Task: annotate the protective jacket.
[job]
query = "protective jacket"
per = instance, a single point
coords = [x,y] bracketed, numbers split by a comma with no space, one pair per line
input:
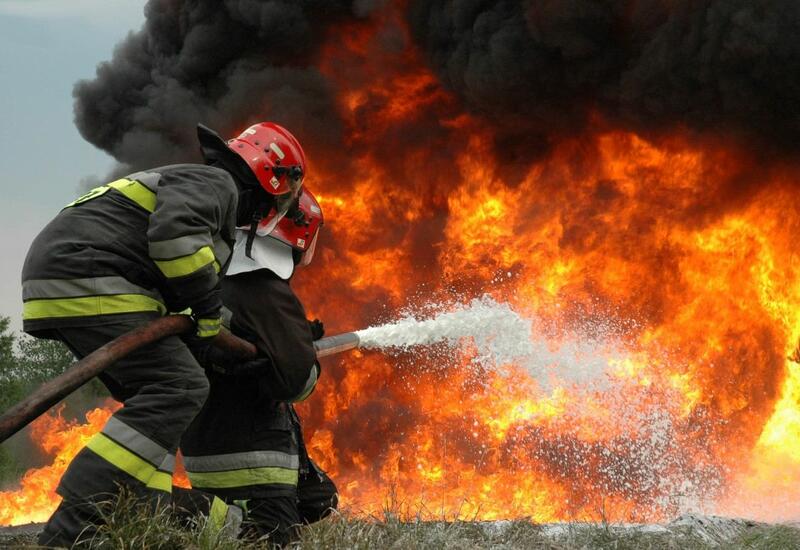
[150,243]
[245,442]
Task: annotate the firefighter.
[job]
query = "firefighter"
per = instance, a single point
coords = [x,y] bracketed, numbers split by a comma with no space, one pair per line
[151,243]
[246,445]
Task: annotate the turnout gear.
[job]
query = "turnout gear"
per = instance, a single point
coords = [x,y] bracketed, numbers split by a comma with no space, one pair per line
[223,518]
[152,242]
[162,387]
[246,443]
[146,244]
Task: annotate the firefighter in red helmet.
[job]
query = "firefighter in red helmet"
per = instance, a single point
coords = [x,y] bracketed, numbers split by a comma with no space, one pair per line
[150,243]
[246,444]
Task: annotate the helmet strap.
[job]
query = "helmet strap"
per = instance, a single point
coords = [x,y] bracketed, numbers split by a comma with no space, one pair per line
[255,220]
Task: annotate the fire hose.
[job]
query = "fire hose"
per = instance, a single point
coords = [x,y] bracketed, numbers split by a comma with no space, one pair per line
[53,391]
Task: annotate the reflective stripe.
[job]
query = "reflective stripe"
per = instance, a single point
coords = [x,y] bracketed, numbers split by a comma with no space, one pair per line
[180,246]
[311,383]
[93,194]
[136,192]
[186,265]
[93,286]
[208,327]
[143,194]
[134,441]
[218,513]
[161,481]
[235,461]
[90,305]
[148,179]
[227,317]
[168,464]
[242,478]
[221,250]
[128,462]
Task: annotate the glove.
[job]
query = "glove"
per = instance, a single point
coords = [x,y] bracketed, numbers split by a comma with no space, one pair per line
[255,367]
[199,343]
[200,347]
[317,329]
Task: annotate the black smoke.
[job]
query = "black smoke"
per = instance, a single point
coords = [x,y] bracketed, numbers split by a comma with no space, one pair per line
[225,63]
[535,70]
[546,67]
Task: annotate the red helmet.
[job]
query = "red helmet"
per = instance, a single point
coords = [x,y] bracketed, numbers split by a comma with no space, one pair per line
[278,162]
[300,228]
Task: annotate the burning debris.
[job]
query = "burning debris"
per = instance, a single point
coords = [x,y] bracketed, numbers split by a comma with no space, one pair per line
[590,166]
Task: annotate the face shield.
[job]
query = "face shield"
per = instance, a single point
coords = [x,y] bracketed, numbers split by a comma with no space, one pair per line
[308,255]
[284,201]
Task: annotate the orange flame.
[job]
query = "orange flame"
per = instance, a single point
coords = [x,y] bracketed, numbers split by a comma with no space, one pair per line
[36,498]
[661,275]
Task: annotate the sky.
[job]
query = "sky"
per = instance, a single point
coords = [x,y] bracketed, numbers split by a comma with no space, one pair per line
[45,47]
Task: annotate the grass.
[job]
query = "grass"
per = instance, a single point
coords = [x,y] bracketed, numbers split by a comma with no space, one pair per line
[129,525]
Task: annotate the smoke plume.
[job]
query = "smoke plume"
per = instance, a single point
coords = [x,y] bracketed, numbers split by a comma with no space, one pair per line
[721,66]
[724,66]
[226,64]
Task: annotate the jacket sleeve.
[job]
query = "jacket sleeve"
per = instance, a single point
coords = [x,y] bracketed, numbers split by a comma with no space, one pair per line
[266,310]
[193,205]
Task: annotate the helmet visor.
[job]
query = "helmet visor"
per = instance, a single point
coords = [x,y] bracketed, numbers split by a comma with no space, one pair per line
[283,202]
[308,255]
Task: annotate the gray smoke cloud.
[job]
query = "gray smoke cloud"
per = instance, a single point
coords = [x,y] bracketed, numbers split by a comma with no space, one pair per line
[546,66]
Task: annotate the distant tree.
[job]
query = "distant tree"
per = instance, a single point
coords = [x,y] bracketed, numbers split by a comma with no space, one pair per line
[38,361]
[41,360]
[6,347]
[10,387]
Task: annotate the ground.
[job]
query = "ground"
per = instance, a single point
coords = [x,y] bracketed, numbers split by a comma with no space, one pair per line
[688,532]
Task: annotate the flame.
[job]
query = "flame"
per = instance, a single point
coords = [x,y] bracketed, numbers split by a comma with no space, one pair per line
[672,254]
[61,439]
[660,271]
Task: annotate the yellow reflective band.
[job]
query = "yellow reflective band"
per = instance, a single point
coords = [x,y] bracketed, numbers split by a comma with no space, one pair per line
[93,194]
[206,328]
[242,478]
[136,192]
[218,514]
[87,306]
[186,265]
[126,461]
[161,481]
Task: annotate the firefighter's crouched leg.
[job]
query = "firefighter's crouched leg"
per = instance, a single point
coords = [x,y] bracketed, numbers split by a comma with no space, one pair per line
[190,505]
[316,494]
[273,518]
[162,388]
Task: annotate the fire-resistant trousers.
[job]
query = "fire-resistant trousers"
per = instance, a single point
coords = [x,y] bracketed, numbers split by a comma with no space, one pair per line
[162,388]
[247,449]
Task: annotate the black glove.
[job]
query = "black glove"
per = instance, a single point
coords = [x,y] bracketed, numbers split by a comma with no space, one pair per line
[201,348]
[254,368]
[317,329]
